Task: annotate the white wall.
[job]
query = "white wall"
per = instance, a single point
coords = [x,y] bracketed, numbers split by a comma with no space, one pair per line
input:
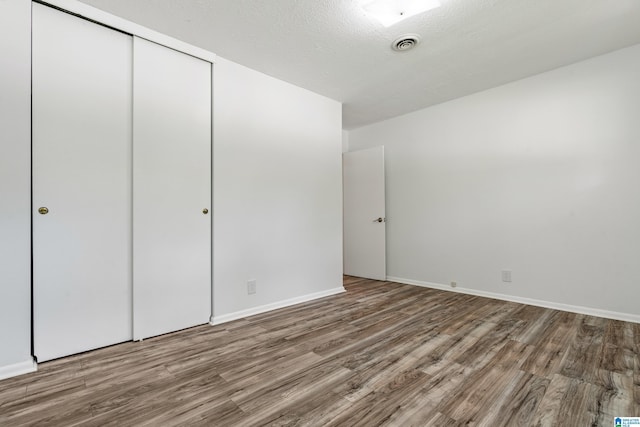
[277,192]
[539,176]
[15,182]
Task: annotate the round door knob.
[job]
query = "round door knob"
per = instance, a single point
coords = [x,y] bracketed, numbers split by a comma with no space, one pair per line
[378,220]
[43,210]
[205,211]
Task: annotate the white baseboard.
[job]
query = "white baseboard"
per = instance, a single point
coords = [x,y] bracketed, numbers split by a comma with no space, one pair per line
[18,369]
[627,317]
[274,306]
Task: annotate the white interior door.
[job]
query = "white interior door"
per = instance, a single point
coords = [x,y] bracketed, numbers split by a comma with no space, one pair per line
[82,175]
[171,189]
[364,213]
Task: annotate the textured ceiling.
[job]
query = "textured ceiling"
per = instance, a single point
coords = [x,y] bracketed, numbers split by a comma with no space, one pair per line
[331,47]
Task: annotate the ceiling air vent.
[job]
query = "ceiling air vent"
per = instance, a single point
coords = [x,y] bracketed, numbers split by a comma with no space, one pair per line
[405,42]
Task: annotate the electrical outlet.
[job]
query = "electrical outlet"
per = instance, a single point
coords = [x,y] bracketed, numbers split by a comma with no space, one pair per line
[454,284]
[251,287]
[506,275]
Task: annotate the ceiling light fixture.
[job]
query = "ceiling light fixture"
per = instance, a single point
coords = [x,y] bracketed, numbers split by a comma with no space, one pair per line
[390,12]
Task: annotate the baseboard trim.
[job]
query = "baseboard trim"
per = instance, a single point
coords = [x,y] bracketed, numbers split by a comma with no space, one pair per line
[16,369]
[627,317]
[274,306]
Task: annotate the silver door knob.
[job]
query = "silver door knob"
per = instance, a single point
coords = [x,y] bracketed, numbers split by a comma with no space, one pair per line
[43,210]
[379,220]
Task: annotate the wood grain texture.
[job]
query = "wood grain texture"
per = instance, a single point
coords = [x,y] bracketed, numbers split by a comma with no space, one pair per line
[380,354]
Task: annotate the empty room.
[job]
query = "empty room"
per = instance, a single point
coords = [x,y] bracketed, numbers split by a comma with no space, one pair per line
[319,213]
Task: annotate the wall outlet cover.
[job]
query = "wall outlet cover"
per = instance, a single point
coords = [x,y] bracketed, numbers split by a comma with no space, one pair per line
[251,287]
[506,275]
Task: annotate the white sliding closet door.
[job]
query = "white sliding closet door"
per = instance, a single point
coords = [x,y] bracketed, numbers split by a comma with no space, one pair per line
[171,190]
[82,174]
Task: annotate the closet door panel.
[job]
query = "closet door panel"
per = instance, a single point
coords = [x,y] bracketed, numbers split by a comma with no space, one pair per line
[171,188]
[82,96]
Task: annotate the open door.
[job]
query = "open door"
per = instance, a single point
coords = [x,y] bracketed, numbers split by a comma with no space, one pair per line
[364,214]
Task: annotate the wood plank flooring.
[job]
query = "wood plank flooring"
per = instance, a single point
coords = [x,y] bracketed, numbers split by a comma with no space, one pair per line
[380,354]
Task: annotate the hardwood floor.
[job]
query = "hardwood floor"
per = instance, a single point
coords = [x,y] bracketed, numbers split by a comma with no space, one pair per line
[380,354]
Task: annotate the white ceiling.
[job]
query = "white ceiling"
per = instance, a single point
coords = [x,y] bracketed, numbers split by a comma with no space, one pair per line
[331,47]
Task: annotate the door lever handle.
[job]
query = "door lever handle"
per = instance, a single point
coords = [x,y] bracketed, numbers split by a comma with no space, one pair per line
[380,220]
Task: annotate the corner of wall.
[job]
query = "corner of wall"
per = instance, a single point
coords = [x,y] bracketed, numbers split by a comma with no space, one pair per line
[345,141]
